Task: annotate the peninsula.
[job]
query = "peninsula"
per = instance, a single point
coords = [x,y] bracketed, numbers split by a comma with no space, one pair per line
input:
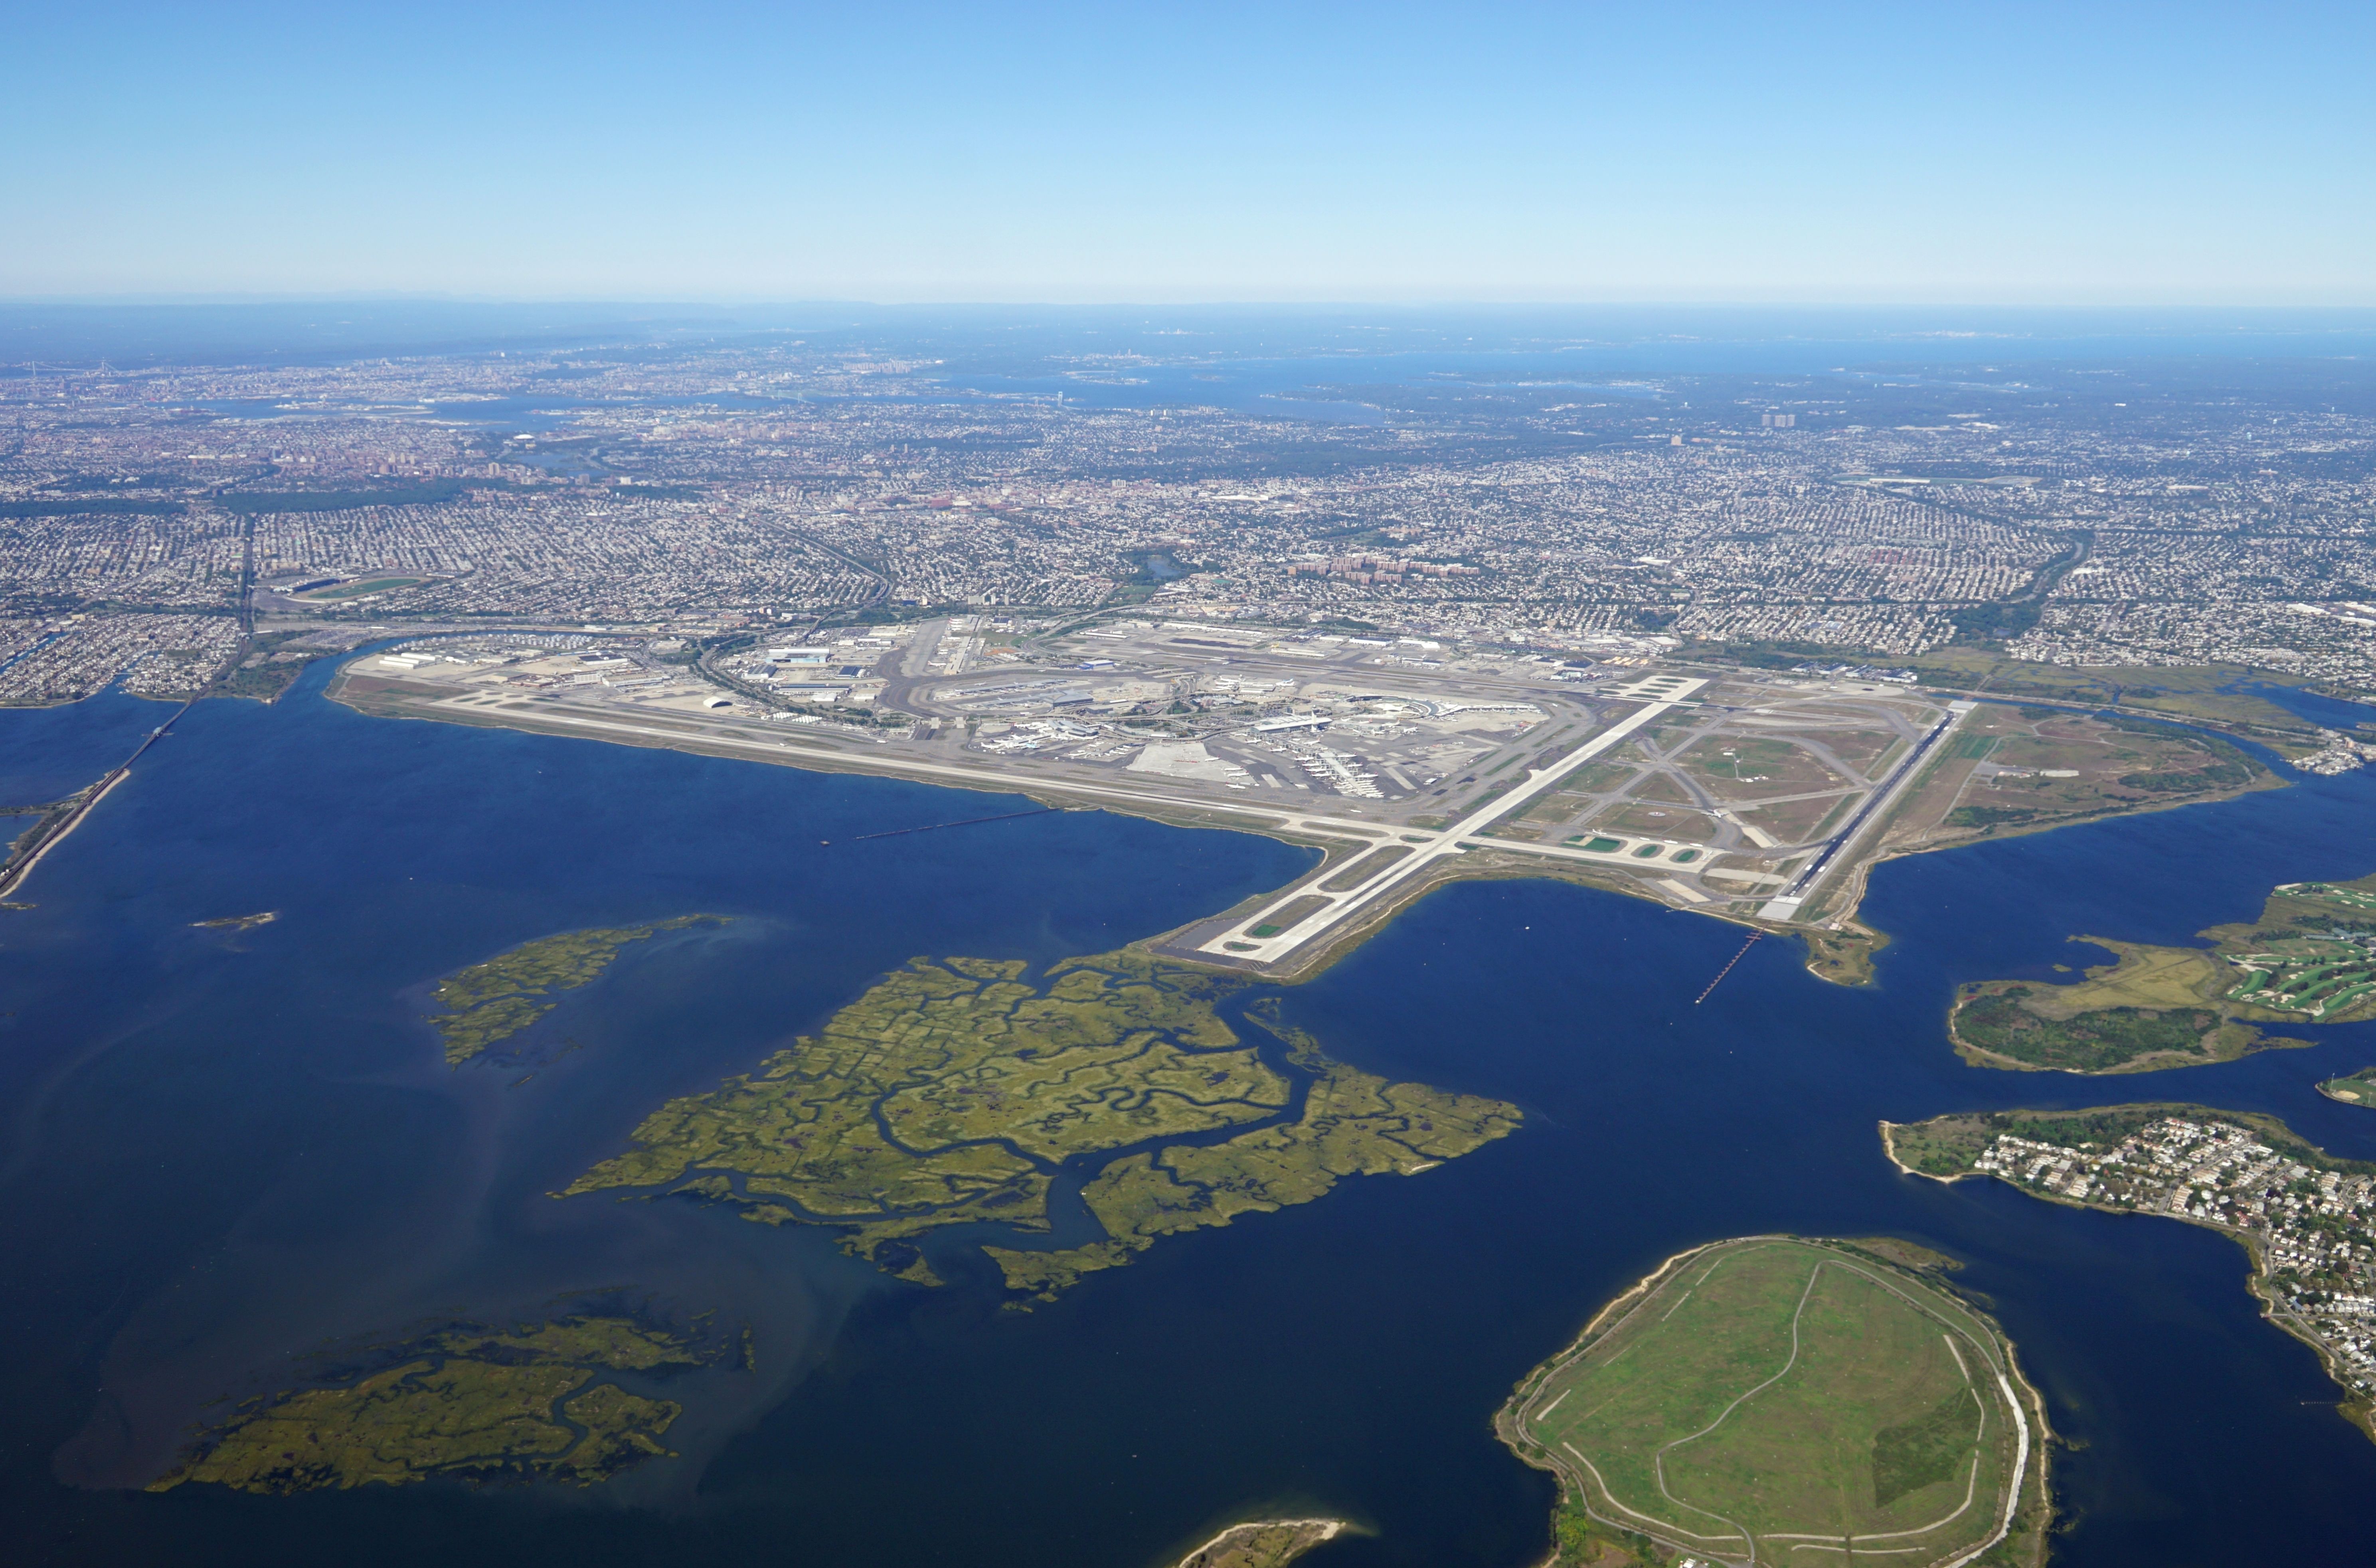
[2352,1089]
[1772,1396]
[2308,1220]
[2311,959]
[1266,1543]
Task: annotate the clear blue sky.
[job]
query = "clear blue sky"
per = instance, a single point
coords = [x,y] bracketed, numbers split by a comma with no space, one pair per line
[1778,151]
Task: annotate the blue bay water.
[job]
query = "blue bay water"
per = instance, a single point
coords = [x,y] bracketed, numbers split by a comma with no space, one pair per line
[223,1150]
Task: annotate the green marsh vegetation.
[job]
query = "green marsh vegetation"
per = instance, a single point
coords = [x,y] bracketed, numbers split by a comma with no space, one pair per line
[274,661]
[495,1000]
[469,1401]
[2310,957]
[1353,1124]
[2101,1039]
[952,1091]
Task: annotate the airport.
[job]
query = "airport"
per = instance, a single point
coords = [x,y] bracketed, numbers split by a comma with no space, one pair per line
[1755,796]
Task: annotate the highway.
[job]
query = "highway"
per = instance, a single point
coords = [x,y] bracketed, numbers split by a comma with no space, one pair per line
[50,833]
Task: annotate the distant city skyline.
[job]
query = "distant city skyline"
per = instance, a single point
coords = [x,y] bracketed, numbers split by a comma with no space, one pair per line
[2020,155]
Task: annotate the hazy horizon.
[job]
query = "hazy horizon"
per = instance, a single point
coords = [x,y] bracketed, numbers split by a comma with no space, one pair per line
[1522,339]
[1065,154]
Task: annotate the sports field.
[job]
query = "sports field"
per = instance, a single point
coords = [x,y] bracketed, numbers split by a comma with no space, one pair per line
[1778,1400]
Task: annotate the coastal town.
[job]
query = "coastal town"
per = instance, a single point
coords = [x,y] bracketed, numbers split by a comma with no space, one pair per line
[2309,1222]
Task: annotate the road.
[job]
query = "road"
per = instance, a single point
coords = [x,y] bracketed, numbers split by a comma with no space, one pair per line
[49,835]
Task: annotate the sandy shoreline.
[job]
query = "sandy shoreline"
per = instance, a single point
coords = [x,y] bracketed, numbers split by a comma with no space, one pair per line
[16,874]
[1889,1147]
[1311,1532]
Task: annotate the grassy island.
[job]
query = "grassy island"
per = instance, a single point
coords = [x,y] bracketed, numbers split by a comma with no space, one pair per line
[952,1092]
[472,1402]
[495,1000]
[2309,958]
[1767,1397]
[1266,1543]
[2308,1218]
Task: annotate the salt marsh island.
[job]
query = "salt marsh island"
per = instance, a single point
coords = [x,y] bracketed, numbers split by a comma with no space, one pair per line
[954,1090]
[469,1402]
[495,1000]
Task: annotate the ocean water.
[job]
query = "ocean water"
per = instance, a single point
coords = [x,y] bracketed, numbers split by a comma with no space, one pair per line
[223,1150]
